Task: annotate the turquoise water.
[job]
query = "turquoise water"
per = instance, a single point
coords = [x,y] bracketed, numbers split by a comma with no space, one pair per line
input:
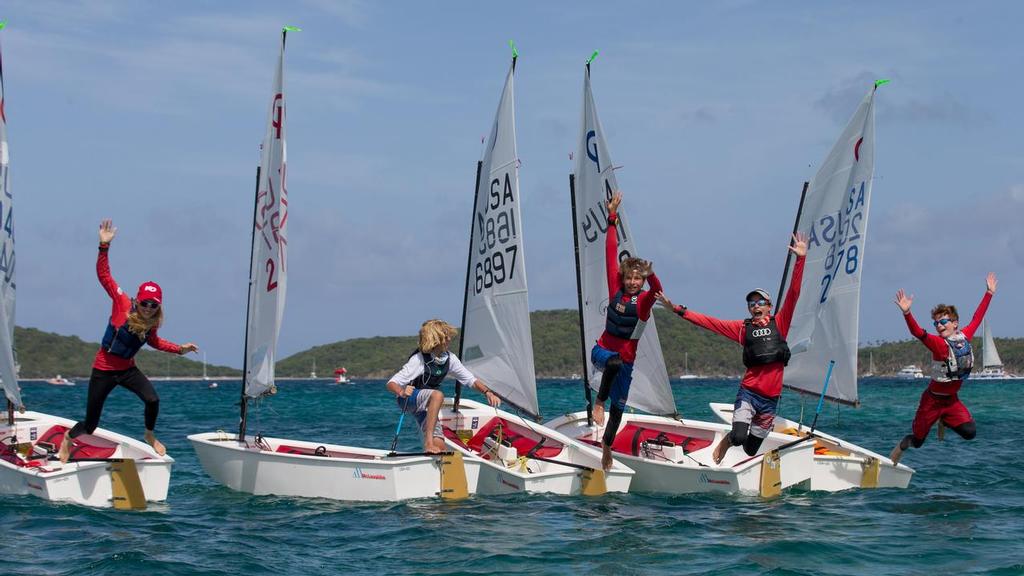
[963,512]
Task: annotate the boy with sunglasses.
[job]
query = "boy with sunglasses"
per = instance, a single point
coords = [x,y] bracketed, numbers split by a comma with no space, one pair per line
[765,354]
[952,361]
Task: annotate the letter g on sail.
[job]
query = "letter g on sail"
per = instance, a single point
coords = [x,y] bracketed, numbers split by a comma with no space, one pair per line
[592,151]
[761,332]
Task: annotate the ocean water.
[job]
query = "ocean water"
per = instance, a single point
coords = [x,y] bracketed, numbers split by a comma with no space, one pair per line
[963,512]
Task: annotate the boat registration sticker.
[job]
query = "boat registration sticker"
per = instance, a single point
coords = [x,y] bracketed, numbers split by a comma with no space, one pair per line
[33,433]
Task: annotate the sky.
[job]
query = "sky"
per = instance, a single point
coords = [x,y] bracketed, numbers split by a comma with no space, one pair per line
[151,114]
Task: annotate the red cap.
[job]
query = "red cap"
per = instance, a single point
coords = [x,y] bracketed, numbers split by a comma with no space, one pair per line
[150,291]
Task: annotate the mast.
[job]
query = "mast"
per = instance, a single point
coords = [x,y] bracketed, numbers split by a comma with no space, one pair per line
[8,364]
[579,298]
[244,402]
[465,292]
[789,255]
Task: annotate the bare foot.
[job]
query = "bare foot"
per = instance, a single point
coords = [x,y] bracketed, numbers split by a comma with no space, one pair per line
[65,449]
[156,444]
[721,449]
[606,457]
[599,414]
[896,454]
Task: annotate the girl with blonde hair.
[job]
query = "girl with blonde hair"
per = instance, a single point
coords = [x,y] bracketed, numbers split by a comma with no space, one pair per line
[133,323]
[417,386]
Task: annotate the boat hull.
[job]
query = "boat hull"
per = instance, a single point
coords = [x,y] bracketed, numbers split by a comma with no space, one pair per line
[342,473]
[695,471]
[843,465]
[498,476]
[78,482]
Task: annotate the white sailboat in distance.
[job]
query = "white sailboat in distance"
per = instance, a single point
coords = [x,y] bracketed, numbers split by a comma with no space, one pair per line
[991,363]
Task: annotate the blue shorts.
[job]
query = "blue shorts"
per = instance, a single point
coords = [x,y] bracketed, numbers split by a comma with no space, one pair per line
[755,410]
[417,406]
[620,387]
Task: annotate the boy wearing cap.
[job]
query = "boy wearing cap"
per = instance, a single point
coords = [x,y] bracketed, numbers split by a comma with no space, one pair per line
[132,324]
[765,354]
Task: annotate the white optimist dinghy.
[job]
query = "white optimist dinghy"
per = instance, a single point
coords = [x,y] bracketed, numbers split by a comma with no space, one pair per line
[262,465]
[496,345]
[669,454]
[833,213]
[106,469]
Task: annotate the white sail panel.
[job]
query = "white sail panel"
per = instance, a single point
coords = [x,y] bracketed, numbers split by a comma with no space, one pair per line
[268,272]
[990,356]
[835,218]
[8,369]
[595,182]
[497,344]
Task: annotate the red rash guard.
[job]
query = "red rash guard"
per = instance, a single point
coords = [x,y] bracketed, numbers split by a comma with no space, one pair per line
[938,346]
[766,379]
[645,299]
[122,305]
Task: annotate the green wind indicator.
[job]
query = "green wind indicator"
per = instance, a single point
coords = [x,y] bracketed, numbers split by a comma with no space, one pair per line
[881,82]
[3,24]
[592,57]
[291,29]
[512,45]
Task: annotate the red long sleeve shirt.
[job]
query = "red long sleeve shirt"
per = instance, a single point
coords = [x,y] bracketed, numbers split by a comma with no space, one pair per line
[766,379]
[645,299]
[938,346]
[122,305]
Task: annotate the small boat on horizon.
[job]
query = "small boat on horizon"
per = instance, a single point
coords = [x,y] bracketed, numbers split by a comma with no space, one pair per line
[60,381]
[910,372]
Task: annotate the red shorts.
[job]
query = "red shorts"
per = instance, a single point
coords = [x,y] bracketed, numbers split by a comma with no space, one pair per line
[932,407]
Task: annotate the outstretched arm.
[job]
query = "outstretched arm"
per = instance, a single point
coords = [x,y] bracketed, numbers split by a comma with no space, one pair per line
[107,233]
[611,245]
[979,312]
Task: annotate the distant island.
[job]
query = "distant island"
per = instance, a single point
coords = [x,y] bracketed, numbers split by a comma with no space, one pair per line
[556,345]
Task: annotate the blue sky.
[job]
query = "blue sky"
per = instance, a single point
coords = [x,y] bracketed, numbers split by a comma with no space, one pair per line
[151,114]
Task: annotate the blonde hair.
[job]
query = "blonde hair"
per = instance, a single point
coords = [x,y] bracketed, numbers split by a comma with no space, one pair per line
[140,326]
[434,333]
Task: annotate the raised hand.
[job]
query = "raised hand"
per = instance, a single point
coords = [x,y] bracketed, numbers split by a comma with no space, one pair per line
[613,204]
[665,301]
[107,231]
[991,282]
[904,301]
[799,244]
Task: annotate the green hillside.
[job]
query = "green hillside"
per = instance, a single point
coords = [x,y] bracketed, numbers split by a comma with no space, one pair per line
[556,346]
[556,353]
[44,355]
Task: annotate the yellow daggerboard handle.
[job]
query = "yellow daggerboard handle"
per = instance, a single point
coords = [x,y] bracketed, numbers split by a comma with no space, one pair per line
[869,479]
[771,474]
[126,486]
[453,477]
[593,482]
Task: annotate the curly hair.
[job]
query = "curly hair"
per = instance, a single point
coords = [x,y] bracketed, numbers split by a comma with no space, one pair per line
[631,264]
[947,310]
[434,333]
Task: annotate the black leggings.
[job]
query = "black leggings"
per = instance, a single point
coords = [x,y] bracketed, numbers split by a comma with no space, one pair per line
[611,370]
[102,382]
[967,431]
[740,435]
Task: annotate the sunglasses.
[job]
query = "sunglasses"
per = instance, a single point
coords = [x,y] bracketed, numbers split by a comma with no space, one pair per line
[150,304]
[761,302]
[942,322]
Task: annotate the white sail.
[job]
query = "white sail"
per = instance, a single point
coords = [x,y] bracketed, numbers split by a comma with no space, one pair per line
[268,269]
[594,179]
[835,217]
[497,344]
[990,356]
[8,369]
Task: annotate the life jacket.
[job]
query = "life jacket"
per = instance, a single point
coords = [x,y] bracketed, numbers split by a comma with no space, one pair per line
[623,319]
[434,372]
[122,342]
[763,344]
[958,363]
